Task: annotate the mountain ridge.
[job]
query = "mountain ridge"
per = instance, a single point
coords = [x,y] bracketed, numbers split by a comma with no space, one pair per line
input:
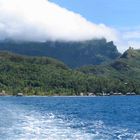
[73,54]
[125,66]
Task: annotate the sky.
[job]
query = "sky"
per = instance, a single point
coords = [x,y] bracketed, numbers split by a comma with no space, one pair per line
[123,15]
[116,13]
[71,20]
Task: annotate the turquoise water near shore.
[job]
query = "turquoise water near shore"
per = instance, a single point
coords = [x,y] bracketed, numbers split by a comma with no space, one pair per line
[70,118]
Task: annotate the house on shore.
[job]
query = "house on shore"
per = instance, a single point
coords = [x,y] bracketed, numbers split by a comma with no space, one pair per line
[19,94]
[3,93]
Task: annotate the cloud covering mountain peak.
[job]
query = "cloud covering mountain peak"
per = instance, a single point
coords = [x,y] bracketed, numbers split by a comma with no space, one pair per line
[41,20]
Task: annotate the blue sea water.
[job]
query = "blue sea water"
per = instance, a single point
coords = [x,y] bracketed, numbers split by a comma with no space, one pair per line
[70,118]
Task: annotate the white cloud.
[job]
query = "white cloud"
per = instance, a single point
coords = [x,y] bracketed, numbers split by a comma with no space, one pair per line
[41,20]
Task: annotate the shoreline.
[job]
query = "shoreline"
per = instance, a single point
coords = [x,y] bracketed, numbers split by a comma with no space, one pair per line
[67,96]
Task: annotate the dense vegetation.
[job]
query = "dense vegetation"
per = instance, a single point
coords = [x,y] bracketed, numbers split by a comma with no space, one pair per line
[125,69]
[73,54]
[47,76]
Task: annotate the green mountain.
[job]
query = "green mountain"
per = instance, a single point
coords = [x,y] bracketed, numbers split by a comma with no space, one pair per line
[47,76]
[73,54]
[128,64]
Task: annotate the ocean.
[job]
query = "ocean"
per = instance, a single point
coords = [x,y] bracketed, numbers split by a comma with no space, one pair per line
[70,118]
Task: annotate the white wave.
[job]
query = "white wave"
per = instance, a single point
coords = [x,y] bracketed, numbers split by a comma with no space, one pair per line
[34,126]
[20,123]
[37,127]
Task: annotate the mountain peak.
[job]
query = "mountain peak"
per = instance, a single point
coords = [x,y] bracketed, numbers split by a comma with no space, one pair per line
[131,53]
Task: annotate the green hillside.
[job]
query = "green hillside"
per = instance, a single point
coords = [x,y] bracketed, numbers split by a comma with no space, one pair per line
[126,68]
[38,76]
[29,74]
[47,76]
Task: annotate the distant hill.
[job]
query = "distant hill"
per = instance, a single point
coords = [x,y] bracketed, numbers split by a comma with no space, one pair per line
[73,54]
[126,68]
